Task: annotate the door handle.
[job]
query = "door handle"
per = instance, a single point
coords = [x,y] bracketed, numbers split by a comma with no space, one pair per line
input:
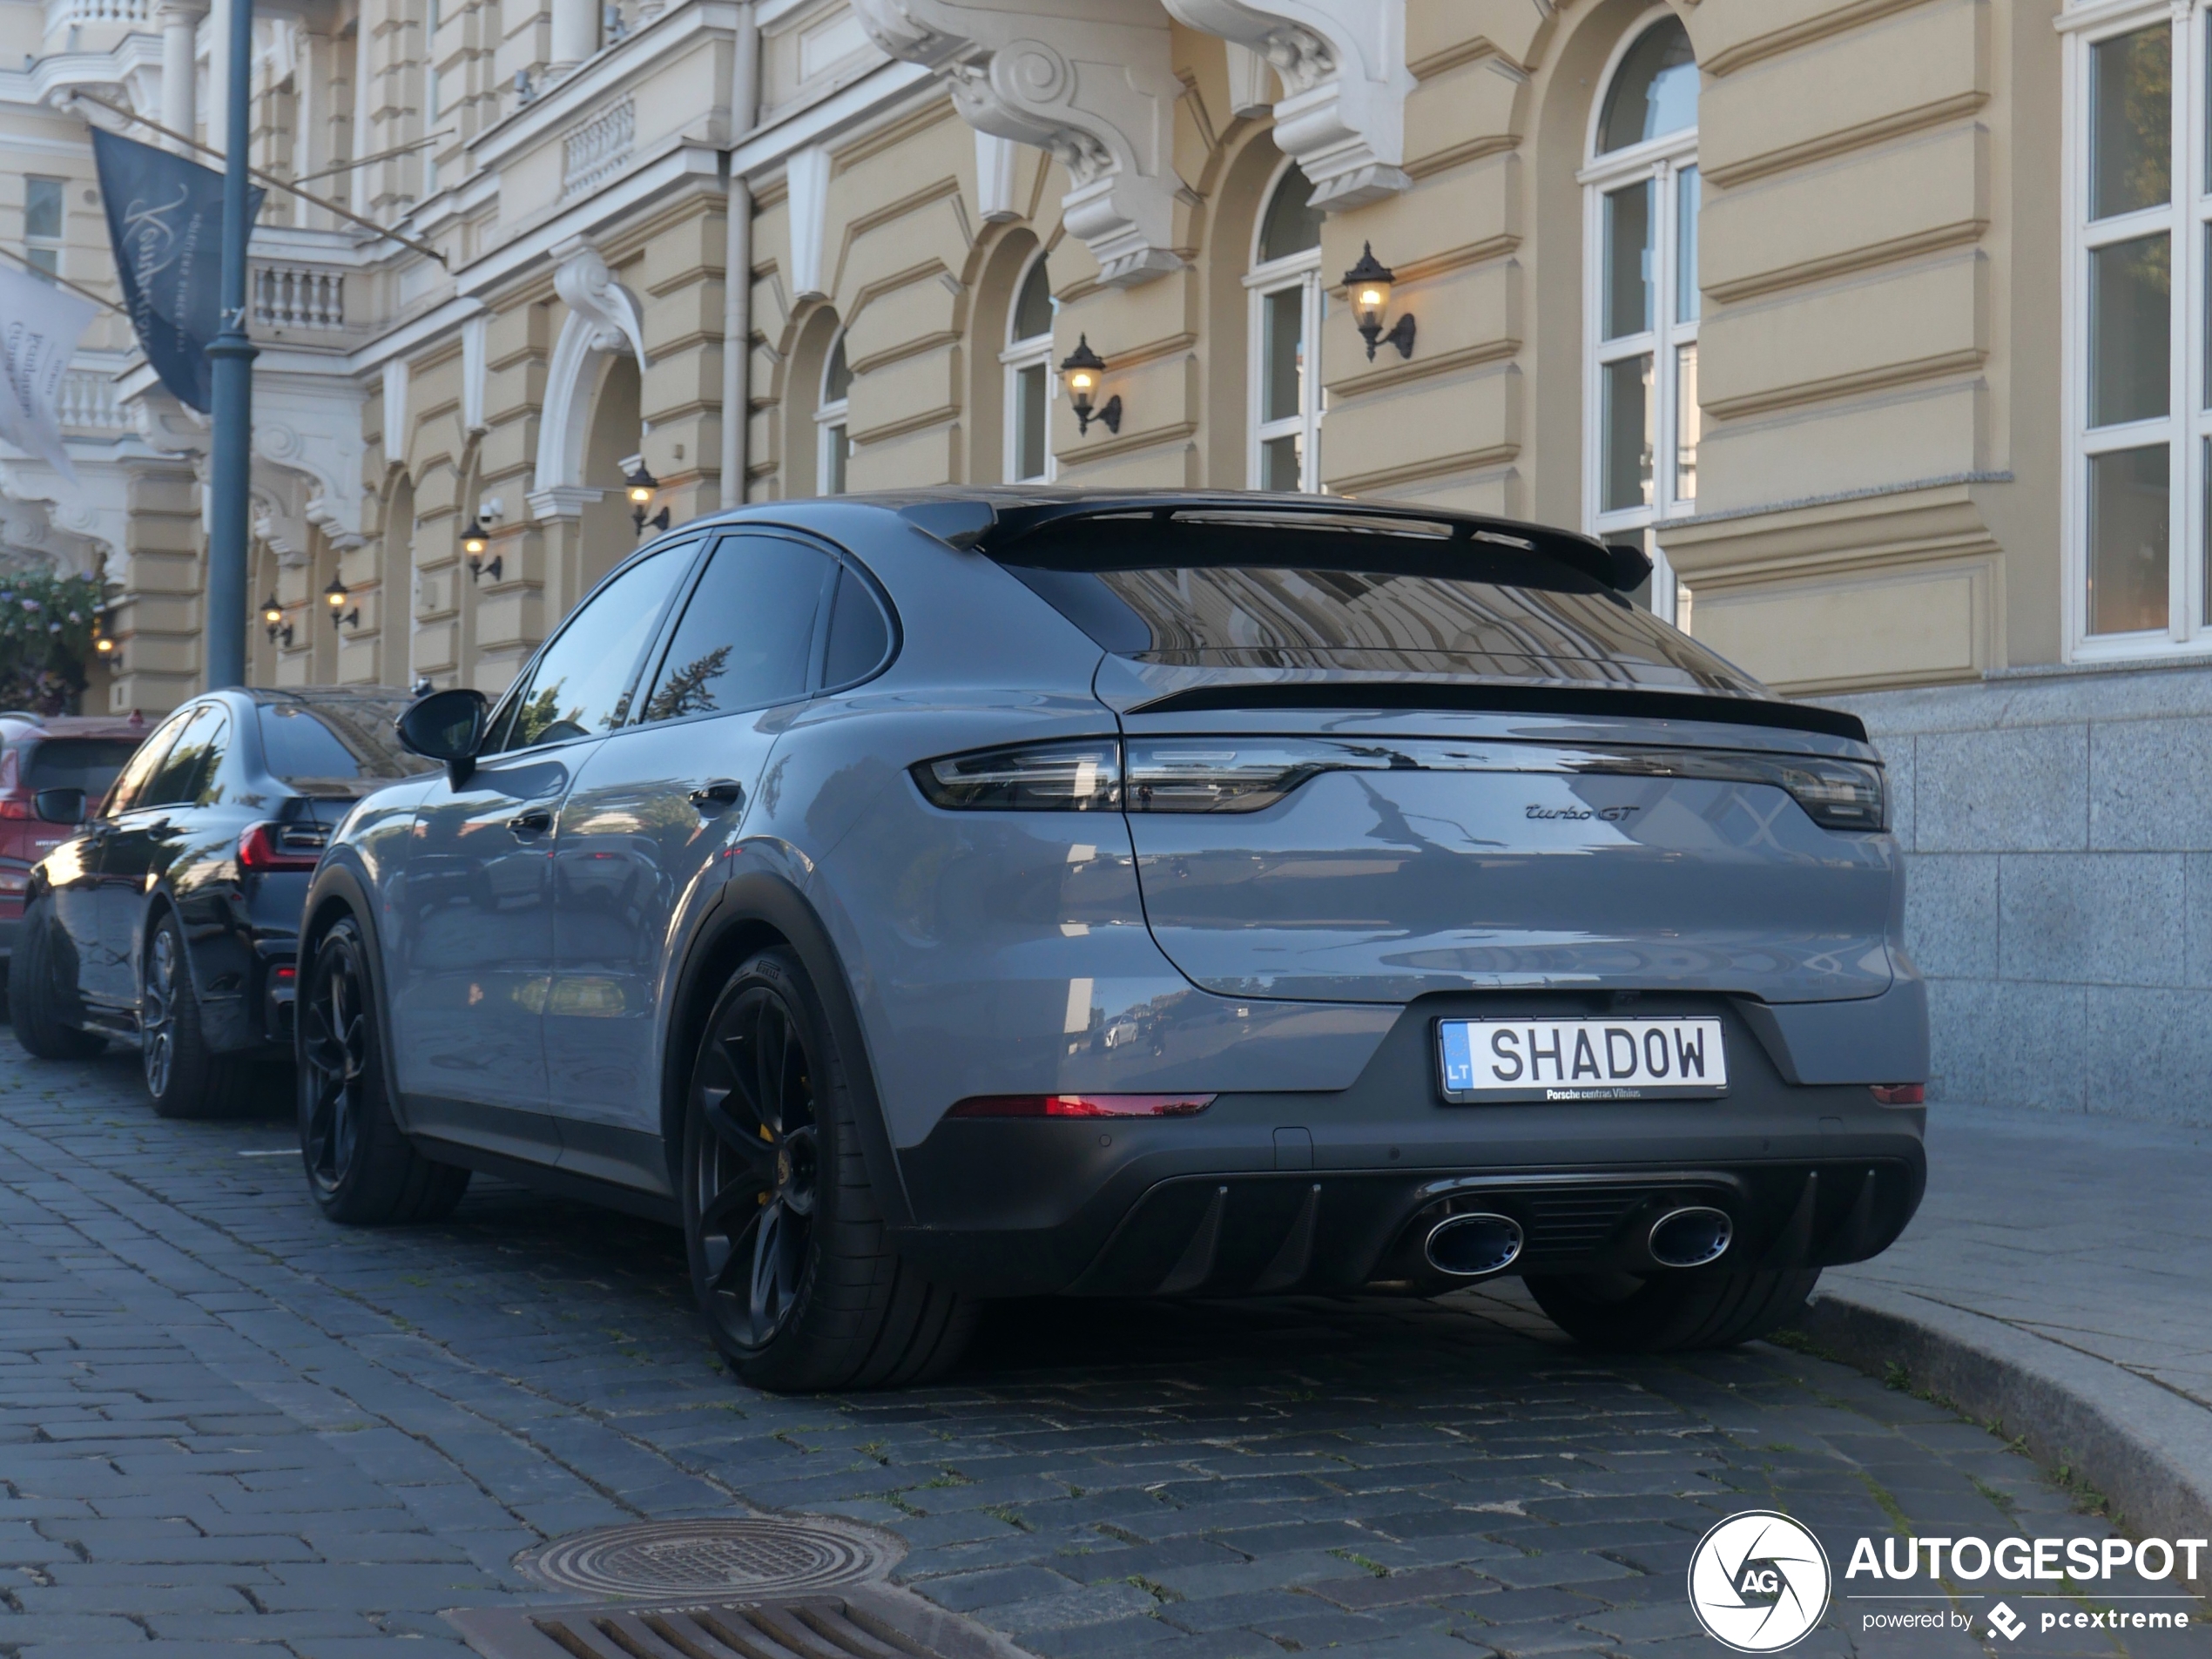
[531,822]
[713,797]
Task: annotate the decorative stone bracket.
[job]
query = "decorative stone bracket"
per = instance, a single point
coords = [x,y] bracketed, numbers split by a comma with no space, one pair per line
[604,316]
[1342,63]
[1092,81]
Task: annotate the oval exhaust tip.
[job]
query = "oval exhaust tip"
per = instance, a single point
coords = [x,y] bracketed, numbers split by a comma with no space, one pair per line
[1691,1238]
[1470,1246]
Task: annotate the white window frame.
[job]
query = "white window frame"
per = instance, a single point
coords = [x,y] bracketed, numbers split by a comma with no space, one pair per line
[832,422]
[1664,160]
[55,244]
[1032,352]
[2186,425]
[1303,271]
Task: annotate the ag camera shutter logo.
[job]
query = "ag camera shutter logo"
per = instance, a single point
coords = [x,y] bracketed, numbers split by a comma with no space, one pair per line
[1758,1581]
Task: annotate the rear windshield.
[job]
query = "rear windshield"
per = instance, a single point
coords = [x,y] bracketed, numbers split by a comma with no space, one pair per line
[1283,598]
[89,764]
[342,743]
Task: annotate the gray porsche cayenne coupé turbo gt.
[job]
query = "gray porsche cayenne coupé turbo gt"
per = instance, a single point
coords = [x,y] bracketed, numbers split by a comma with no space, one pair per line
[923,899]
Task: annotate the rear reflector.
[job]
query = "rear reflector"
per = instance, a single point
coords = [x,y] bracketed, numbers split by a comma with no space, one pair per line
[1081,1106]
[1901,1094]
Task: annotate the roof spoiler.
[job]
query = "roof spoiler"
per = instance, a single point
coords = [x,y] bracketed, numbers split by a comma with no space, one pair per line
[997,530]
[956,523]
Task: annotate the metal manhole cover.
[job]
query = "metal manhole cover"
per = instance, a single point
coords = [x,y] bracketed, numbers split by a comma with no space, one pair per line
[764,1555]
[864,1621]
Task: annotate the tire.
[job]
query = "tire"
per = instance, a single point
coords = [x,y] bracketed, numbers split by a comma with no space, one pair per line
[361,1168]
[794,1275]
[1698,1308]
[183,1078]
[35,1001]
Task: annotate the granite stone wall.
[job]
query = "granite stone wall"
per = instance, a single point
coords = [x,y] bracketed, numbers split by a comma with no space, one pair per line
[2058,825]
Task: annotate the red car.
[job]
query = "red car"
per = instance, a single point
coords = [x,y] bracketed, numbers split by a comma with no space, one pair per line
[50,752]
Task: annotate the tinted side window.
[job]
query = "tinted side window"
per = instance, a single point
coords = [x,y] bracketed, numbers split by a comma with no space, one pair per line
[747,635]
[89,764]
[581,685]
[331,739]
[132,783]
[858,635]
[191,760]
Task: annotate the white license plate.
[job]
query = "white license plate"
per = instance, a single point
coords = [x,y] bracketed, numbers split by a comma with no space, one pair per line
[1498,1060]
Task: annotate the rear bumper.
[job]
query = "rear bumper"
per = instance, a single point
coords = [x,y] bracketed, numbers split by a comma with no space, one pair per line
[1335,1191]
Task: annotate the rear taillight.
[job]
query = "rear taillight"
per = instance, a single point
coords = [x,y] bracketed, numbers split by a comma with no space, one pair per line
[1900,1094]
[1081,1106]
[14,883]
[278,846]
[1084,776]
[17,807]
[1214,775]
[1209,774]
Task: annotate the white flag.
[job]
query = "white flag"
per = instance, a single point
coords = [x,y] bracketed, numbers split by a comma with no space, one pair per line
[40,325]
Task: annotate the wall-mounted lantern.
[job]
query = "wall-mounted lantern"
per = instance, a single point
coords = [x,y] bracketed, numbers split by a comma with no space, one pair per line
[1370,282]
[640,486]
[1080,370]
[272,619]
[475,541]
[335,596]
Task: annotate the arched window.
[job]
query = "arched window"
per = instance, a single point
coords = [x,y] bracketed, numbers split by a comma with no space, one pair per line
[1285,287]
[1027,358]
[834,446]
[1641,413]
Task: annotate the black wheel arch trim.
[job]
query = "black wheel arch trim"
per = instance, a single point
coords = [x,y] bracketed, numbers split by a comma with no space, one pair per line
[337,887]
[758,899]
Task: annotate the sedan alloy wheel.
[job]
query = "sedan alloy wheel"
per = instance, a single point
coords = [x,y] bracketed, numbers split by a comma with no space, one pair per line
[158,1012]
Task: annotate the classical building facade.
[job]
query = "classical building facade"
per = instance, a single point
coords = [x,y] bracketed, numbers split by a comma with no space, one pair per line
[1882,322]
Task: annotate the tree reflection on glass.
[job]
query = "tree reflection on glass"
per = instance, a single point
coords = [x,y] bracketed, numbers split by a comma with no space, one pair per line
[689,690]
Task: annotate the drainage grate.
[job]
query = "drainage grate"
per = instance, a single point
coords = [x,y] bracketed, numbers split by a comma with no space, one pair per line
[746,1556]
[874,1622]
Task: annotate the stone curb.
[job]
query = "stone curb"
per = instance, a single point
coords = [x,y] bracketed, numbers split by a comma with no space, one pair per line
[2147,1449]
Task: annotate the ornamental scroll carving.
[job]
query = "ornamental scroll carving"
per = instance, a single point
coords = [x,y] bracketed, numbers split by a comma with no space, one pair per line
[1091,81]
[1342,63]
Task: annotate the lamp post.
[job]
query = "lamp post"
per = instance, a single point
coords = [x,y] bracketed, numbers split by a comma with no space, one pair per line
[232,381]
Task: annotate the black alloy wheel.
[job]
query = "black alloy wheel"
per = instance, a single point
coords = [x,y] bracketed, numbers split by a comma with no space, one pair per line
[361,1168]
[755,1180]
[790,1258]
[333,1053]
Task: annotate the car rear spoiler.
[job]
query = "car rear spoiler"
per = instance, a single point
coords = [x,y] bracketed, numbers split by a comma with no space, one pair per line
[996,530]
[1489,697]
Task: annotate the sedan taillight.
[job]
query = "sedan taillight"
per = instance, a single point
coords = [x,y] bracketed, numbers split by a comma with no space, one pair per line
[275,847]
[1900,1094]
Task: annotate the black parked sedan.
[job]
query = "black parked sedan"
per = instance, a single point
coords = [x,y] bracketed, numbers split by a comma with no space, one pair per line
[171,918]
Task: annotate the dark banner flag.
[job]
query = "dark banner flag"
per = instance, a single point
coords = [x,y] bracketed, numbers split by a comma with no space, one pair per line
[164,217]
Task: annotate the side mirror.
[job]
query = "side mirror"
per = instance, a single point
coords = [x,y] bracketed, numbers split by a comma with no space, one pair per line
[59,806]
[448,726]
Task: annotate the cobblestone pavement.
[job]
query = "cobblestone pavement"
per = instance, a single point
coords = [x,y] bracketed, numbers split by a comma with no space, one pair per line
[226,1427]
